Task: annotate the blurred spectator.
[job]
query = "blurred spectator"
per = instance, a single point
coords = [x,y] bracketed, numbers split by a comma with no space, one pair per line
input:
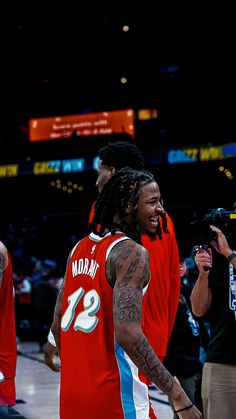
[44,296]
[214,295]
[23,305]
[183,352]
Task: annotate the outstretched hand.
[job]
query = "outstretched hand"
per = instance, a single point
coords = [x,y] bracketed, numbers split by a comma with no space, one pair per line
[50,353]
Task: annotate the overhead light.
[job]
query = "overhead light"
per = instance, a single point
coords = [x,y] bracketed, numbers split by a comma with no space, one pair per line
[125,28]
[123,80]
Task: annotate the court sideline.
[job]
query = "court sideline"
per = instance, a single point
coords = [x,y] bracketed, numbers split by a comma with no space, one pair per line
[37,388]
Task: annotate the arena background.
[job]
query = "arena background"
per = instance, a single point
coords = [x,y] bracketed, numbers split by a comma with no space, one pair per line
[69,57]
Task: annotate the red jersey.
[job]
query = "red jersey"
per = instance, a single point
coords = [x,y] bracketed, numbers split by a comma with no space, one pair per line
[7,335]
[98,379]
[164,289]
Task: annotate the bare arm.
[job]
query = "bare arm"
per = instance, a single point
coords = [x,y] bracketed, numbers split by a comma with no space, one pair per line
[3,261]
[50,351]
[56,325]
[201,296]
[128,265]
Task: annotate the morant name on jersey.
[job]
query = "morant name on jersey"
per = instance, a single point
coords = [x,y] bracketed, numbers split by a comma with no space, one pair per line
[85,267]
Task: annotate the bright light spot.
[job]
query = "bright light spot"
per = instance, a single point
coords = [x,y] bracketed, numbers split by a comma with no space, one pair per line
[125,28]
[123,80]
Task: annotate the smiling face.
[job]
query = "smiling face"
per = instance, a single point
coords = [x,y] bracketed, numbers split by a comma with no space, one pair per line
[149,208]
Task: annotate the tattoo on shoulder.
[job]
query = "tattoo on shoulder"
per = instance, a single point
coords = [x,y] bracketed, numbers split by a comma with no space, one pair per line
[131,256]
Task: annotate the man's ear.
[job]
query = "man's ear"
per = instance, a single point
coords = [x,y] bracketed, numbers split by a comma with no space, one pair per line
[128,209]
[112,171]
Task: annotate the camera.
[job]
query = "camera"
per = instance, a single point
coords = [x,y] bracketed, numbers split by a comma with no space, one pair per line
[223,219]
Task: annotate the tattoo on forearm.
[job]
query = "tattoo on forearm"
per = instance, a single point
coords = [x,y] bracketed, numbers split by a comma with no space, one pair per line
[145,358]
[127,308]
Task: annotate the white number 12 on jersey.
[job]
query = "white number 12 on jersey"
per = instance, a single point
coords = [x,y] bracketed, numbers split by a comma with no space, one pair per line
[86,321]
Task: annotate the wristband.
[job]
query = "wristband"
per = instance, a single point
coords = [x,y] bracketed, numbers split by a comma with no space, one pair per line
[51,339]
[184,408]
[231,257]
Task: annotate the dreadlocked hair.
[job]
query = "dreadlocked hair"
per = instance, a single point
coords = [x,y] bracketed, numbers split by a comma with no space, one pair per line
[121,154]
[163,226]
[123,187]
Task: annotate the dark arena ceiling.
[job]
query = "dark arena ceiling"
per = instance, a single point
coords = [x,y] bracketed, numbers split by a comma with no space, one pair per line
[69,57]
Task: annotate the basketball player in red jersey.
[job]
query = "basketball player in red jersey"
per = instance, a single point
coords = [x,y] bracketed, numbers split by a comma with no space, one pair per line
[164,290]
[97,319]
[7,334]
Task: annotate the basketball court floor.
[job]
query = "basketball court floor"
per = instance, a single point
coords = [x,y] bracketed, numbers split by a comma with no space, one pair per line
[37,388]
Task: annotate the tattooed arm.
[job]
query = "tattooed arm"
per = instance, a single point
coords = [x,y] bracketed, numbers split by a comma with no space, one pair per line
[49,350]
[56,325]
[128,270]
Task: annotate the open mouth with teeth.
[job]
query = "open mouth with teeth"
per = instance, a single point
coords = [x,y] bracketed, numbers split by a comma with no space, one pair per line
[154,221]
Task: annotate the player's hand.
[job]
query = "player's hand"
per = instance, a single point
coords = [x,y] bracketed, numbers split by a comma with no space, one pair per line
[50,353]
[192,413]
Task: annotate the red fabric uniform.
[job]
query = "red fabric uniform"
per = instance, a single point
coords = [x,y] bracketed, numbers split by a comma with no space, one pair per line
[7,338]
[98,379]
[164,289]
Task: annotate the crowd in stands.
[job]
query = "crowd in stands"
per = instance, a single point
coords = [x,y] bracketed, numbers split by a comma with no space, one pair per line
[37,276]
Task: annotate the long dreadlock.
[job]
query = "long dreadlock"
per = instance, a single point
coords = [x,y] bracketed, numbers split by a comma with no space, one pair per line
[123,187]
